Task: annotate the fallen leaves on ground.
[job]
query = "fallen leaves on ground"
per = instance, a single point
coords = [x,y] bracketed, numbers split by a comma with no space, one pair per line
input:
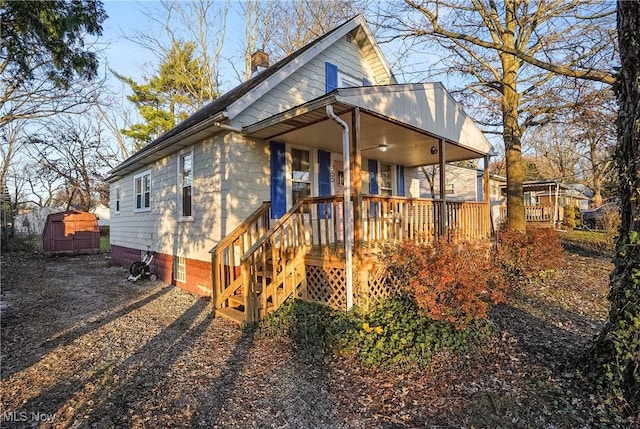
[82,347]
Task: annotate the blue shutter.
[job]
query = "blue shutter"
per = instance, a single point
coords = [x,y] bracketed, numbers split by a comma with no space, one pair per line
[331,77]
[278,180]
[324,178]
[373,176]
[400,177]
[366,82]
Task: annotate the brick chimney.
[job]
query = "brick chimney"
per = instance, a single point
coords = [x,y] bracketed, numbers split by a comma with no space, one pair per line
[259,61]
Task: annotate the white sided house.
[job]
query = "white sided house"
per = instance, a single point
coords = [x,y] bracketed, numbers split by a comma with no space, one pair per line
[244,200]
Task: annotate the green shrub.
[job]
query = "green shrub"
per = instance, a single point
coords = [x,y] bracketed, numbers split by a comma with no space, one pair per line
[314,330]
[577,215]
[569,219]
[395,334]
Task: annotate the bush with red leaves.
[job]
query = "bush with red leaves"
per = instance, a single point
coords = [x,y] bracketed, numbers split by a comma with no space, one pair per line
[523,256]
[449,281]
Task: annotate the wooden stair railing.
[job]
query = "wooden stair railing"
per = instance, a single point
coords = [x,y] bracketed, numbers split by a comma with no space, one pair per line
[226,295]
[274,266]
[256,268]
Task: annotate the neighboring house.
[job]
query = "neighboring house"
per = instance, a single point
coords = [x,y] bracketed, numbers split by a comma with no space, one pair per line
[244,199]
[543,198]
[464,184]
[33,221]
[103,214]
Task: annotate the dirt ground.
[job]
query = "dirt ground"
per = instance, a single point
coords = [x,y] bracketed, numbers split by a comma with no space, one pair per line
[84,348]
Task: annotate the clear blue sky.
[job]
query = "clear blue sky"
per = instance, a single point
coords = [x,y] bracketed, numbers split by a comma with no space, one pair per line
[129,59]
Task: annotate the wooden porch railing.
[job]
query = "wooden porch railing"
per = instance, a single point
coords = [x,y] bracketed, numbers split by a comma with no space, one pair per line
[395,219]
[537,213]
[256,268]
[226,255]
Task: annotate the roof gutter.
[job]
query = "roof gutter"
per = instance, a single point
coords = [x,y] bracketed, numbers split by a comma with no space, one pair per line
[214,120]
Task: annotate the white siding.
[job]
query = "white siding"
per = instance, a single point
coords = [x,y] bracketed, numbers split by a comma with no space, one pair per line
[308,82]
[412,182]
[160,227]
[426,106]
[247,183]
[463,180]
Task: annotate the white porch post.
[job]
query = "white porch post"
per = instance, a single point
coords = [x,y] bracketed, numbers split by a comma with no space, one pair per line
[443,191]
[348,226]
[487,194]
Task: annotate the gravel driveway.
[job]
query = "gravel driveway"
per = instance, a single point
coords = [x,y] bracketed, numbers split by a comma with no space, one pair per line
[82,347]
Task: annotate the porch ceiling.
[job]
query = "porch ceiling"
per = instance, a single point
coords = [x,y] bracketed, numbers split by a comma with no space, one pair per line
[407,144]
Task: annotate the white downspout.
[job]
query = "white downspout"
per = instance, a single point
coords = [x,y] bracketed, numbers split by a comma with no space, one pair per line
[348,226]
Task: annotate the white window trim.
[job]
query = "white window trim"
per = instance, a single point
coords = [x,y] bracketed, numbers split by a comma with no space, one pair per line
[117,199]
[135,195]
[347,81]
[394,181]
[179,186]
[313,159]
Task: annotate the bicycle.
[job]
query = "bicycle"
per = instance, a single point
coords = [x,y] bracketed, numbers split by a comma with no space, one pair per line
[142,269]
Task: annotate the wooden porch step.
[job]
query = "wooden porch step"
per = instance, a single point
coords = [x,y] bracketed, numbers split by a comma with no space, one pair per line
[236,300]
[231,314]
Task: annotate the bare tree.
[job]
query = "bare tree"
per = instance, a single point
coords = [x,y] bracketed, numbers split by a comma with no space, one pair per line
[578,145]
[299,22]
[557,156]
[280,28]
[198,22]
[76,154]
[513,53]
[258,31]
[595,137]
[43,184]
[11,143]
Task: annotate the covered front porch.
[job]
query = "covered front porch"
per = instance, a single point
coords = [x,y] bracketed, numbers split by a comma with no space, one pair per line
[324,247]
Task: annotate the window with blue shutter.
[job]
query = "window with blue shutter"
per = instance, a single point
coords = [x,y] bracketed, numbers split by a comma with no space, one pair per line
[278,180]
[324,179]
[331,77]
[400,178]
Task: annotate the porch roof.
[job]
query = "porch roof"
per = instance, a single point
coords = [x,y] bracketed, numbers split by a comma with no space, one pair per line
[409,119]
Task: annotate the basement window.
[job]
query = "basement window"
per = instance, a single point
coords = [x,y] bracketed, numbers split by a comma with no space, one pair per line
[180,269]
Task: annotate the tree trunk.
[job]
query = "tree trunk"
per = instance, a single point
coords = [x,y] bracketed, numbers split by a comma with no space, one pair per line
[511,134]
[598,172]
[617,351]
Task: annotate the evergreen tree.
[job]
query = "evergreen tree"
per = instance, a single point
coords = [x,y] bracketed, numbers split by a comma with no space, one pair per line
[170,95]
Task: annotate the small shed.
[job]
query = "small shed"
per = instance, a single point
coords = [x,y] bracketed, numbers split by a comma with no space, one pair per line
[71,232]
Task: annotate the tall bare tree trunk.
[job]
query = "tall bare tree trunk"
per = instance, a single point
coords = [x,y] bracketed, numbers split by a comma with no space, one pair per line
[511,132]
